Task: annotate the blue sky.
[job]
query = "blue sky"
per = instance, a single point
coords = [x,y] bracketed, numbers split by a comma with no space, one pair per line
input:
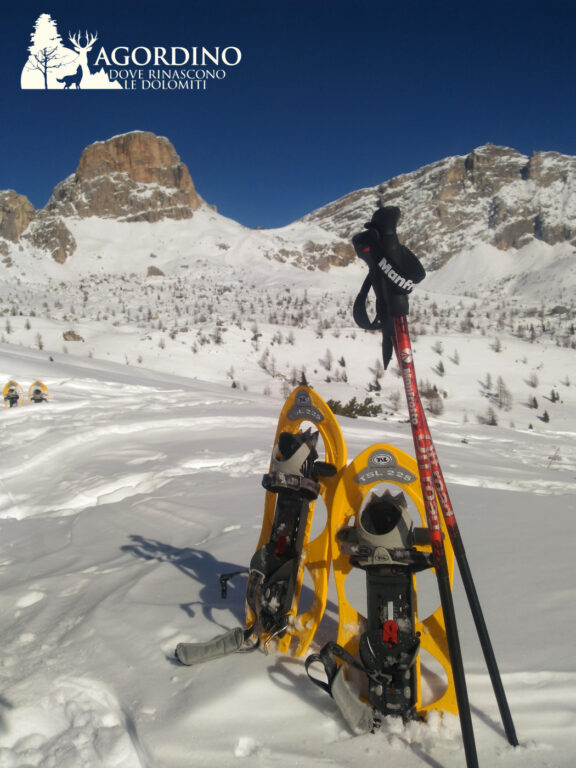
[330,96]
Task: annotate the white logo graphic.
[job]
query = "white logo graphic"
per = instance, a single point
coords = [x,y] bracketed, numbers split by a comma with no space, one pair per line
[53,65]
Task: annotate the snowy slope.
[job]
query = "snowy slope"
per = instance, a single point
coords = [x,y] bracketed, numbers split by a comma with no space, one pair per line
[123,499]
[112,246]
[536,272]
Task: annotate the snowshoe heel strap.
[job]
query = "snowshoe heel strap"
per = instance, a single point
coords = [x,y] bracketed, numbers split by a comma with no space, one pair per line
[358,715]
[222,645]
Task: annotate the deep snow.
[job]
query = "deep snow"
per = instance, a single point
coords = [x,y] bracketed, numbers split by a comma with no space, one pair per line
[122,500]
[124,497]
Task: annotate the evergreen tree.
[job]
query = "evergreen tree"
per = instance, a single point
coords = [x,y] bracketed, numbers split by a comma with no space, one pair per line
[46,49]
[491,418]
[503,395]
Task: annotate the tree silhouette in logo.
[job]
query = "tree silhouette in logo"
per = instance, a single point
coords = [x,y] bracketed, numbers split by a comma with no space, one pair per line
[47,52]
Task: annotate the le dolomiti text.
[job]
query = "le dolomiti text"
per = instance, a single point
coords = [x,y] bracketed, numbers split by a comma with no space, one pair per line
[166,79]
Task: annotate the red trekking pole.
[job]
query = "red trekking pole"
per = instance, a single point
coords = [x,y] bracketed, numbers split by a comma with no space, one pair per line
[426,454]
[393,272]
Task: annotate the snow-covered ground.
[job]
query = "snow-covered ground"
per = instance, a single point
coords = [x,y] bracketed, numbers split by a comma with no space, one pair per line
[124,498]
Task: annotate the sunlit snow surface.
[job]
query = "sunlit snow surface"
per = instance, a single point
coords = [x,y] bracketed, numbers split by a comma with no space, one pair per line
[124,498]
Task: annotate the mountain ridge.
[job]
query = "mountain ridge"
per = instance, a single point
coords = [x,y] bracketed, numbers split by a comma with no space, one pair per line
[493,197]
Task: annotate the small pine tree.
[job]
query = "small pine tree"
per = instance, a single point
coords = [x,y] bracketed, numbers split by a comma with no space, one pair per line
[503,395]
[353,408]
[491,418]
[436,405]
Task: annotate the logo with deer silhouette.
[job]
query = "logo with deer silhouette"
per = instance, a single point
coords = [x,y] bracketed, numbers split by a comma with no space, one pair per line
[55,64]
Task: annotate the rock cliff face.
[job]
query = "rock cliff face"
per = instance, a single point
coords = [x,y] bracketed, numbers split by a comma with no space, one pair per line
[493,195]
[134,177]
[16,212]
[50,234]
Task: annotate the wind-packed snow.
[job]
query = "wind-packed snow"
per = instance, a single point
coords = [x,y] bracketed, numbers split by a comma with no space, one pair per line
[125,497]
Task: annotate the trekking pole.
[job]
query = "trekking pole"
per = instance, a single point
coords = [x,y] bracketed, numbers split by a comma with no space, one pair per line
[402,344]
[380,248]
[392,289]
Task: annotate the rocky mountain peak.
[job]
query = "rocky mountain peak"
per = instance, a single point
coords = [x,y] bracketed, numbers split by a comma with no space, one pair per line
[134,177]
[493,195]
[142,155]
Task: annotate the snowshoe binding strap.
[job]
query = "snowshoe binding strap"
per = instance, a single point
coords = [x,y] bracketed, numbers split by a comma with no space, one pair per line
[358,715]
[222,645]
[384,535]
